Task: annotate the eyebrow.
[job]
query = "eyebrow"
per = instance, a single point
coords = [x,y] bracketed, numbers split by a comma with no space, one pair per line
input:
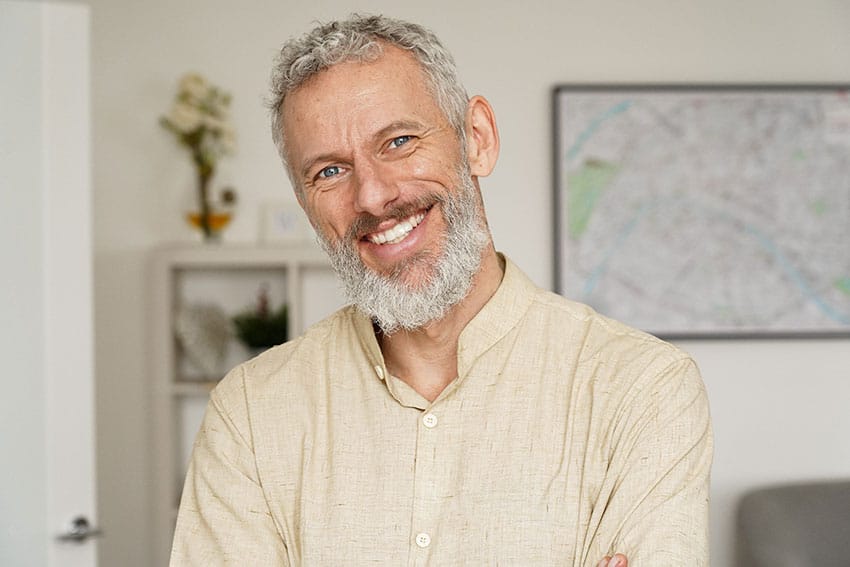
[395,127]
[308,165]
[398,125]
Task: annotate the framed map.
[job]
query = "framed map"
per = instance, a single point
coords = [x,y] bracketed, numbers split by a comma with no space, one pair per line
[705,211]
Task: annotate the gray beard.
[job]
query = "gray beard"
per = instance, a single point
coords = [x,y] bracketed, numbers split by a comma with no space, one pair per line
[391,303]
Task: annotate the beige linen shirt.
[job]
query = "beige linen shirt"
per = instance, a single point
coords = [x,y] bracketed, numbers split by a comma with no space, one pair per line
[566,436]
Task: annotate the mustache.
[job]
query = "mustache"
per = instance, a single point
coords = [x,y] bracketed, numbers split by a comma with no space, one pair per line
[367,223]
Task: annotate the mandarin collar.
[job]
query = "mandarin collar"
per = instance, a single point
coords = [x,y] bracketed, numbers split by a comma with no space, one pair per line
[496,319]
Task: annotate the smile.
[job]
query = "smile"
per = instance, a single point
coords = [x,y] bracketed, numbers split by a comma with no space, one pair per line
[397,233]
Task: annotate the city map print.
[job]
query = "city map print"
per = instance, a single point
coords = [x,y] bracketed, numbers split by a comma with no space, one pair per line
[706,211]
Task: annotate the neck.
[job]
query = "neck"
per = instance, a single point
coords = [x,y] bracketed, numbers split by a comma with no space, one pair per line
[426,358]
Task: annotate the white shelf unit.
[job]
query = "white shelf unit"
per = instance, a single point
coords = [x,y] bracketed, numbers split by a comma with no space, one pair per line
[229,276]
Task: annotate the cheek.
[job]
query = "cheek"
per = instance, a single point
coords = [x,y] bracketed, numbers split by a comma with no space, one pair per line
[326,213]
[441,158]
[433,167]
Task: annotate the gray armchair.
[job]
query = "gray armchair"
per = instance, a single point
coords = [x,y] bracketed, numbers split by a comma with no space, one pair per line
[804,525]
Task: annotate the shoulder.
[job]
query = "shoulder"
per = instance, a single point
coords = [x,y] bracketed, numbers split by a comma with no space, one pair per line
[593,346]
[602,338]
[291,365]
[636,377]
[621,364]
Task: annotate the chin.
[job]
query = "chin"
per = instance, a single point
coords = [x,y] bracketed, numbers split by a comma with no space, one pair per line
[413,273]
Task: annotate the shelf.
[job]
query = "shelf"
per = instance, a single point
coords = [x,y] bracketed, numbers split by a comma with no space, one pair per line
[227,276]
[193,387]
[235,256]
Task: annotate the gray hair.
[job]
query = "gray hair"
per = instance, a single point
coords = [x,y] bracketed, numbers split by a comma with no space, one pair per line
[359,38]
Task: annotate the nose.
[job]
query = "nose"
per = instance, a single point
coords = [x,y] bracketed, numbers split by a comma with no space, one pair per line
[375,188]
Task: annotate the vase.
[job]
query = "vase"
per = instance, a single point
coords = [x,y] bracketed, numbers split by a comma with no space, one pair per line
[208,217]
[210,227]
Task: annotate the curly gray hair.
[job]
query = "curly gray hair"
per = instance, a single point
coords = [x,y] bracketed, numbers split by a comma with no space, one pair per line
[360,38]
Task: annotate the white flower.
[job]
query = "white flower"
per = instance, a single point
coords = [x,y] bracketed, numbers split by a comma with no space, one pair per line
[217,125]
[200,118]
[184,117]
[219,104]
[194,86]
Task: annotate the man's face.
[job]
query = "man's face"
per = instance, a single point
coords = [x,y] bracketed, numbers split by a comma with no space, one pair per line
[373,152]
[382,179]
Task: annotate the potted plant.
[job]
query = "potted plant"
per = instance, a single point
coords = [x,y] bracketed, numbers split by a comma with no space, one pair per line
[259,328]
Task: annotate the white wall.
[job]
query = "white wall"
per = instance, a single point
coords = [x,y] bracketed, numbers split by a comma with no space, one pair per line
[776,404]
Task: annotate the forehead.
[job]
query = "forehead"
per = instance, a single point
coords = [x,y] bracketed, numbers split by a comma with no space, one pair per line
[358,95]
[392,69]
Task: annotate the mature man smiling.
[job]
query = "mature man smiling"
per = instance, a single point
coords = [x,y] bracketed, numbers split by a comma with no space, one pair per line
[454,414]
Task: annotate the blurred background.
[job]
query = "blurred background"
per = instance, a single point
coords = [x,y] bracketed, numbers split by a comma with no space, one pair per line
[779,406]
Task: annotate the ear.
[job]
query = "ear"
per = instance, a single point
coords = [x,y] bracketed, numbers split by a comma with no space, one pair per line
[482,137]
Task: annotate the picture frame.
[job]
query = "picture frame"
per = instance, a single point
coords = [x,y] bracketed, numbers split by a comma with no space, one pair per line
[718,211]
[284,223]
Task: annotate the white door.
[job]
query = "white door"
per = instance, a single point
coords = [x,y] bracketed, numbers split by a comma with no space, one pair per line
[46,351]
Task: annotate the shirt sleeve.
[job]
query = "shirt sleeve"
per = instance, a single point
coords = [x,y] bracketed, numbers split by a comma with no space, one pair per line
[655,492]
[224,518]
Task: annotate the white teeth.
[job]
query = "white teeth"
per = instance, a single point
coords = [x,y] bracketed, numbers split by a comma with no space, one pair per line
[398,232]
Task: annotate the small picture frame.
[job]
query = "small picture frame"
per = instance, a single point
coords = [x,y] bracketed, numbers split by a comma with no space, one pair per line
[284,223]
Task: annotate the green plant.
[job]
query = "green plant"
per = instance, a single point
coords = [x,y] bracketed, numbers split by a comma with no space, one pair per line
[260,327]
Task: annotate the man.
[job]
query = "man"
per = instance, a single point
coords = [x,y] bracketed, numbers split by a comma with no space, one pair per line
[455,414]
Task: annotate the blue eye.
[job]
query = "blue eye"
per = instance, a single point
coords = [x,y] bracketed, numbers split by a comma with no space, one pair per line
[400,141]
[329,171]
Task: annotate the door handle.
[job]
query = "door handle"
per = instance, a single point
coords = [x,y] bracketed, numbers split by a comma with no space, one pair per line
[79,530]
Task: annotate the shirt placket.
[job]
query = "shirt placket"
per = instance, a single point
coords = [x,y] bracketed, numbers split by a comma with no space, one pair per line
[429,484]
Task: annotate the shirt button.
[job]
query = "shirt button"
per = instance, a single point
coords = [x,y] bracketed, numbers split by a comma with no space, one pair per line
[423,540]
[379,371]
[430,420]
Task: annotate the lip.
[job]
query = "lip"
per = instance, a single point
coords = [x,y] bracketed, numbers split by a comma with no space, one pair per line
[391,253]
[396,230]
